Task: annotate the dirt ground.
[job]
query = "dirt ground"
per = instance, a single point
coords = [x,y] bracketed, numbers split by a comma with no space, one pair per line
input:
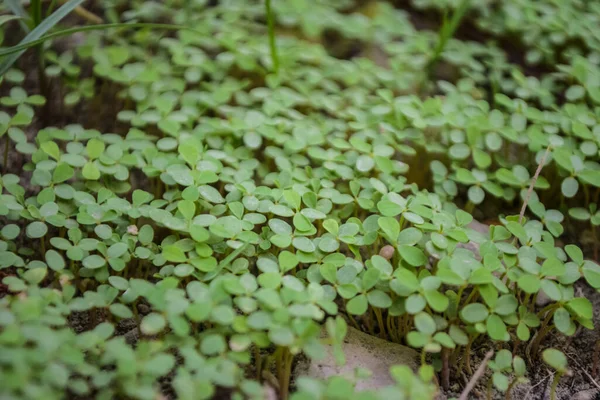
[580,352]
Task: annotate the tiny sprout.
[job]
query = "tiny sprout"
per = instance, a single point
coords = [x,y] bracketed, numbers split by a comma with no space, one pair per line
[558,361]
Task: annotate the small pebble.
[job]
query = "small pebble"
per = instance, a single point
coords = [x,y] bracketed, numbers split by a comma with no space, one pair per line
[143,309]
[387,252]
[542,299]
[590,394]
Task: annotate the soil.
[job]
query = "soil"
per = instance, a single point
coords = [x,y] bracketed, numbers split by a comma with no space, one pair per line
[580,352]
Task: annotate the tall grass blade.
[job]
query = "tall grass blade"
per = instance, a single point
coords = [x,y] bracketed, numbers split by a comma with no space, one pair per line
[69,31]
[16,8]
[7,18]
[446,32]
[271,27]
[40,30]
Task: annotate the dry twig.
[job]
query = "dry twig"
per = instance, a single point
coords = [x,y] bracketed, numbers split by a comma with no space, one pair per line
[590,377]
[533,181]
[476,376]
[87,15]
[536,385]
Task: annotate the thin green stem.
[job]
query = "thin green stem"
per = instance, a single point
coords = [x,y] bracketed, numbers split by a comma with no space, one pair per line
[469,207]
[595,237]
[36,12]
[370,320]
[555,381]
[586,192]
[258,363]
[287,371]
[350,317]
[471,296]
[272,44]
[380,322]
[6,145]
[51,7]
[512,383]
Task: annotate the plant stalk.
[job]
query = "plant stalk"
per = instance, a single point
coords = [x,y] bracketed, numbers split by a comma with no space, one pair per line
[271,28]
[555,381]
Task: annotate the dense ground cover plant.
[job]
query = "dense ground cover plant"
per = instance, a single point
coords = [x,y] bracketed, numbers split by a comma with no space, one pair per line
[225,198]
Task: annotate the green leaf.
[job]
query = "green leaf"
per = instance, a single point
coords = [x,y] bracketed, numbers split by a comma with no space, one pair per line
[412,255]
[425,323]
[390,227]
[62,173]
[579,213]
[500,381]
[463,218]
[562,320]
[436,300]
[287,260]
[35,275]
[496,328]
[529,283]
[94,148]
[117,250]
[409,236]
[281,336]
[582,307]
[358,305]
[199,233]
[120,310]
[90,171]
[551,289]
[370,278]
[119,282]
[51,148]
[575,253]
[569,187]
[415,304]
[556,359]
[36,230]
[211,194]
[213,344]
[590,176]
[474,312]
[553,267]
[519,366]
[173,253]
[380,299]
[94,262]
[153,323]
[476,194]
[54,260]
[407,279]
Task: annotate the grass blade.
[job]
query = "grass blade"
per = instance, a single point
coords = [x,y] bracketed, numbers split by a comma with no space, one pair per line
[16,8]
[69,31]
[6,18]
[271,27]
[39,31]
[446,32]
[226,261]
